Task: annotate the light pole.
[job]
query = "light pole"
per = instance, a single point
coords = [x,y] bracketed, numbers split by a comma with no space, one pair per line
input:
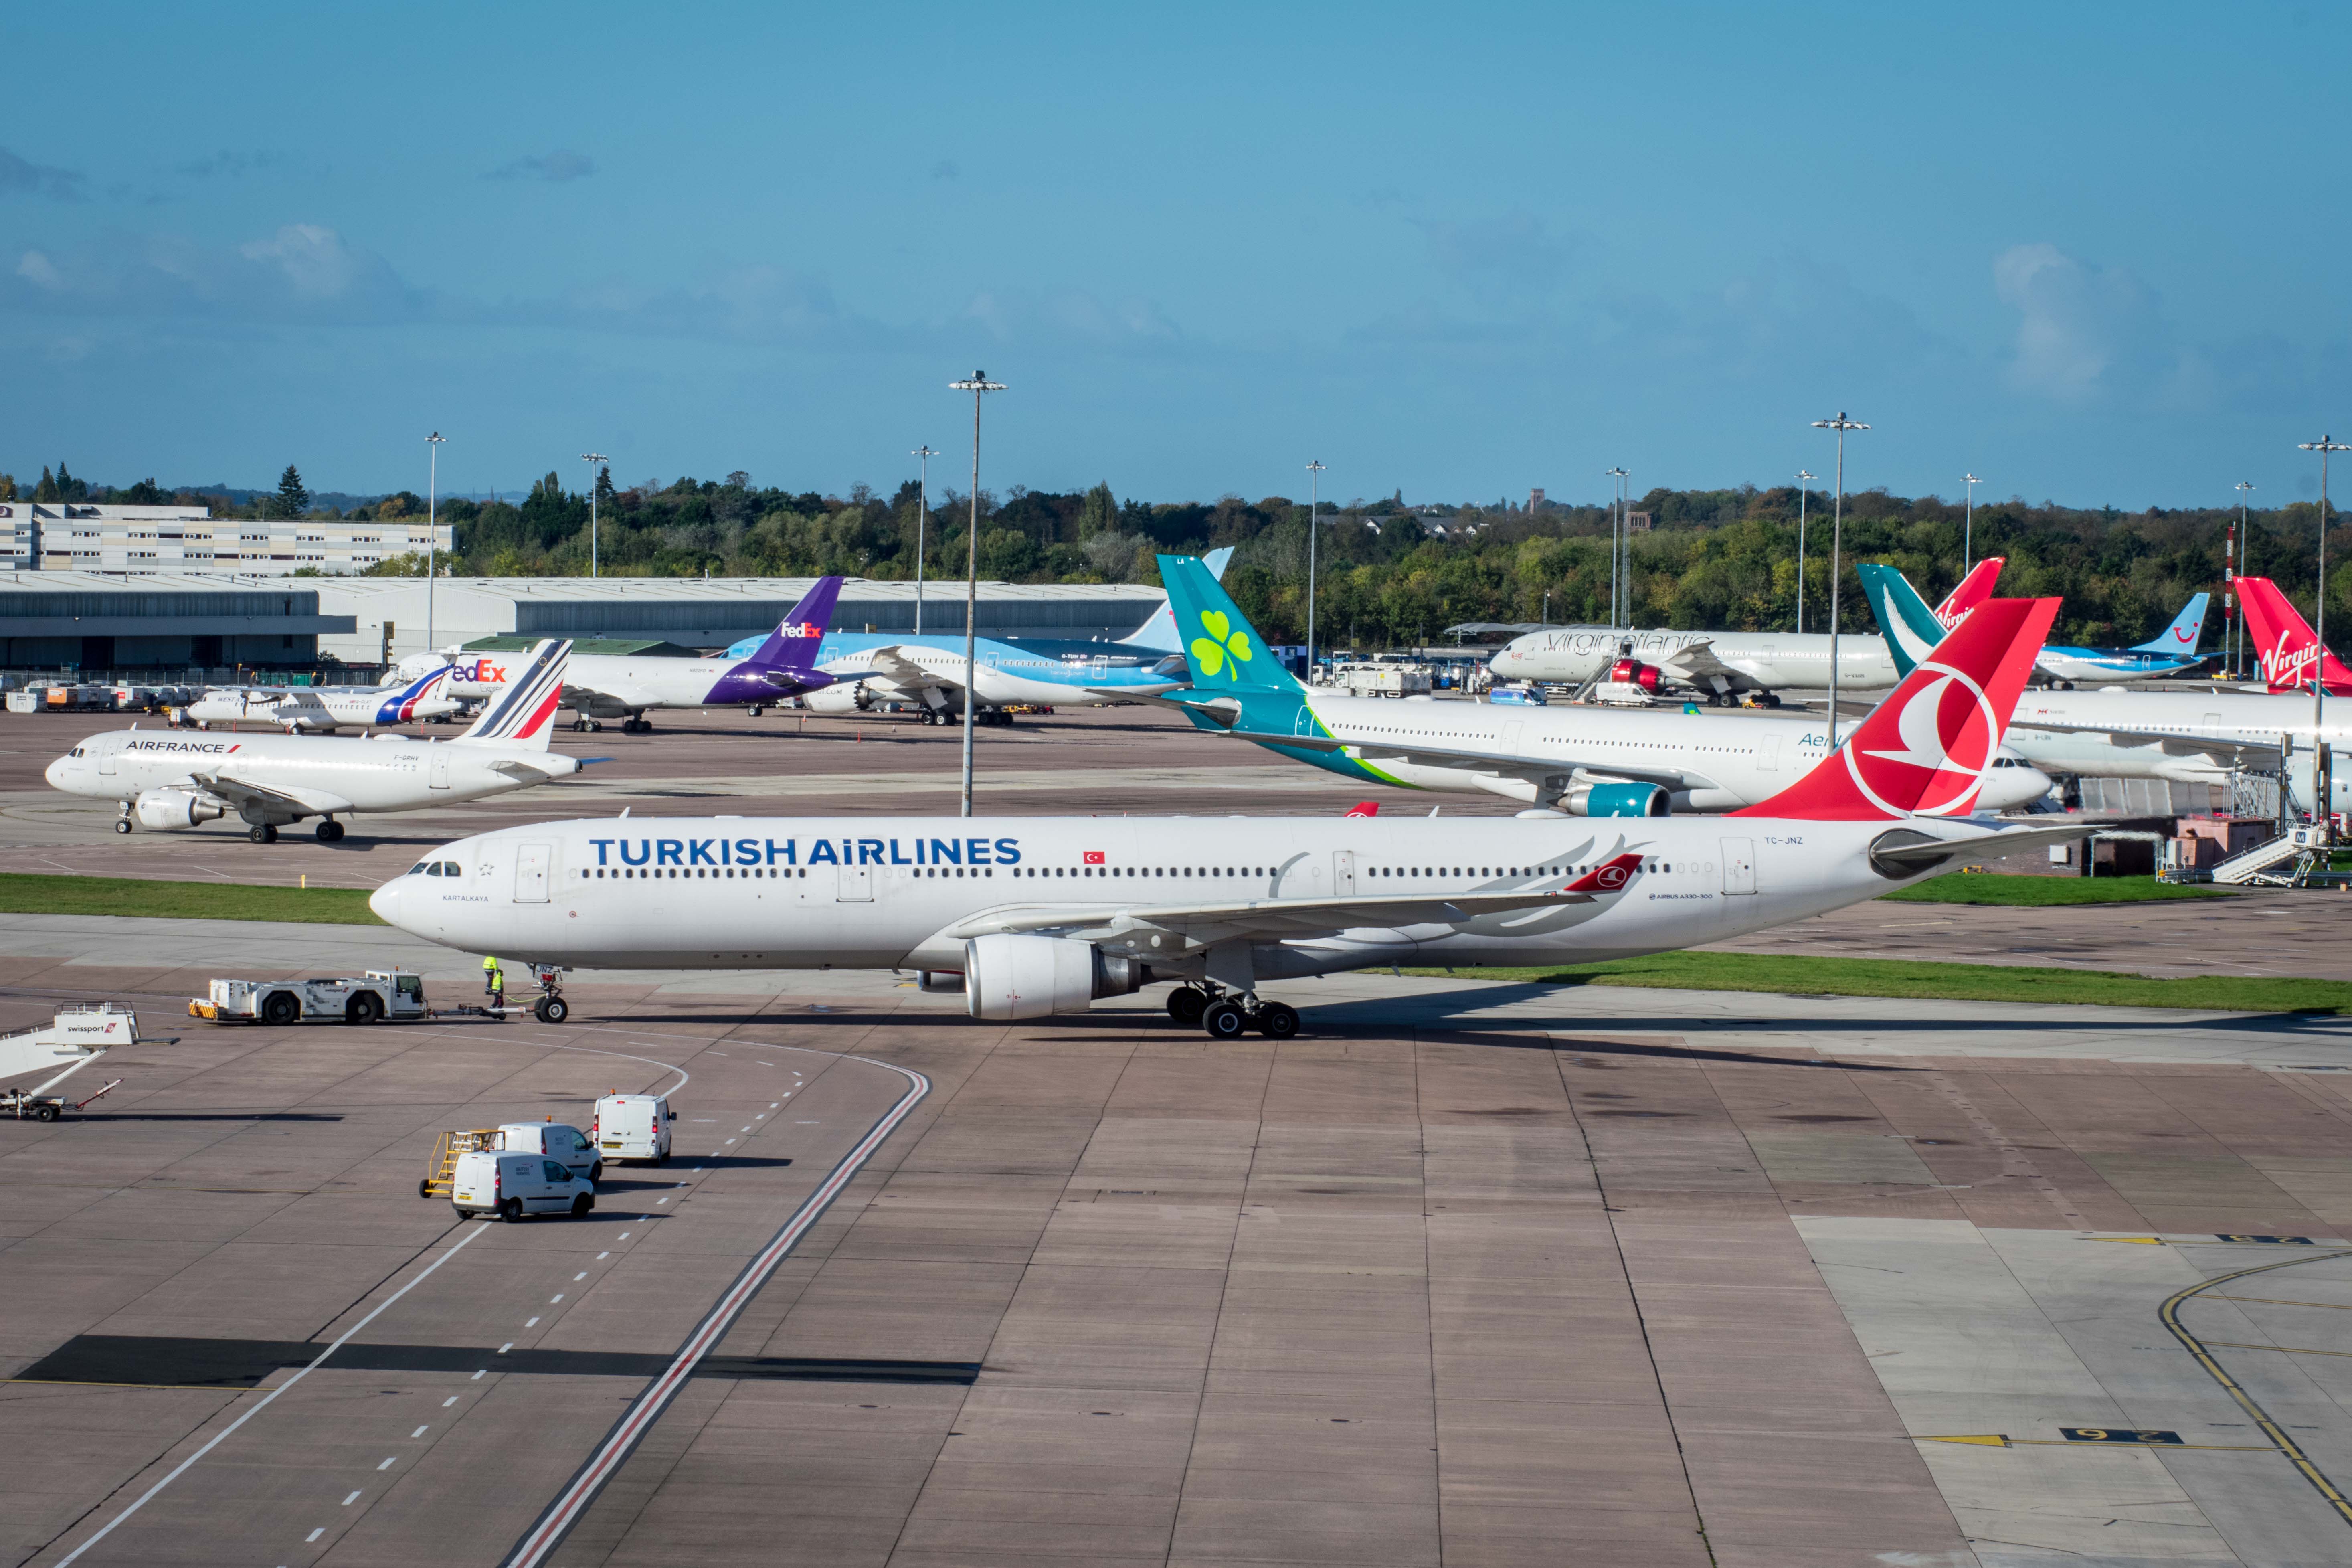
[1314,499]
[1837,541]
[1968,528]
[592,459]
[2230,556]
[979,387]
[925,454]
[2323,445]
[1803,479]
[1616,531]
[432,526]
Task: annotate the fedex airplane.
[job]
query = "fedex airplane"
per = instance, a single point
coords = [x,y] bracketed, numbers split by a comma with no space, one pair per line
[2284,644]
[322,709]
[1719,665]
[1044,915]
[167,781]
[2169,653]
[783,664]
[869,667]
[1585,761]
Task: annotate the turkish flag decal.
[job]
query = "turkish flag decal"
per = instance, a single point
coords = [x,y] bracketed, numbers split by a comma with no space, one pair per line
[1094,856]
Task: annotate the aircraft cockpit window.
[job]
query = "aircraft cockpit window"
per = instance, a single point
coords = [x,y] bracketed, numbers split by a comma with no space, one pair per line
[417,868]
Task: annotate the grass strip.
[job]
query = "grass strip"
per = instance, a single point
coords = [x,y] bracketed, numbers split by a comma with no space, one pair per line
[22,894]
[2020,891]
[1807,976]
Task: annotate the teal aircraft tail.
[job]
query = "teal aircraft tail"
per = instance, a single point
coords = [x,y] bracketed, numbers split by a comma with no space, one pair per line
[1909,626]
[2181,638]
[1223,649]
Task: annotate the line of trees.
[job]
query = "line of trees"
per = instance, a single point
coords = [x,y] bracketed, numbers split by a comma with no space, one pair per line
[1388,574]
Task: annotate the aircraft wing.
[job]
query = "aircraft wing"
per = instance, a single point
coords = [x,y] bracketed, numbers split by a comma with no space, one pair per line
[575,693]
[1192,927]
[2256,753]
[521,772]
[242,792]
[1694,662]
[1536,768]
[892,664]
[1908,850]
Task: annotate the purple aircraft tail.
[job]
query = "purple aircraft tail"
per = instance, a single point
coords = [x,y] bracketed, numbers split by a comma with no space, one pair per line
[792,647]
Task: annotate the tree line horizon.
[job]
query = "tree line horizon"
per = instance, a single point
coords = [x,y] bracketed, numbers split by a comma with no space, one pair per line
[1388,574]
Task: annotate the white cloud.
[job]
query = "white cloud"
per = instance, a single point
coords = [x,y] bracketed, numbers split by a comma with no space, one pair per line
[20,178]
[303,272]
[2084,331]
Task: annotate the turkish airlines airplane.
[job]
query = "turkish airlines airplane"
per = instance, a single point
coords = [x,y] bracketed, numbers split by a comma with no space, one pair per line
[1720,664]
[1586,762]
[1045,915]
[168,781]
[320,709]
[2284,644]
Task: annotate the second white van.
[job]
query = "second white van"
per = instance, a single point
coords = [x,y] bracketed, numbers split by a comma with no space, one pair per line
[633,1127]
[557,1142]
[510,1185]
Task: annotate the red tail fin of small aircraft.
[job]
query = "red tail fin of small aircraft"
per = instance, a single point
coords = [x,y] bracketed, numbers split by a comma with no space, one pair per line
[2283,642]
[1363,808]
[1926,749]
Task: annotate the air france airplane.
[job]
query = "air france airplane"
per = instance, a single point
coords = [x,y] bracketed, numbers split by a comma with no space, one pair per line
[323,709]
[168,781]
[1044,915]
[1586,762]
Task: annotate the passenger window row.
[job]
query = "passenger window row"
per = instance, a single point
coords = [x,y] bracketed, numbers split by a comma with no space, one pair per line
[625,873]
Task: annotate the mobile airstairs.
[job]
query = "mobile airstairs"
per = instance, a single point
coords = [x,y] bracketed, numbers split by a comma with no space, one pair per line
[77,1037]
[2299,858]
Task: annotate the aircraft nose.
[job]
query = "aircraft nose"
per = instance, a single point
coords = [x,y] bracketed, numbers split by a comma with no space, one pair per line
[385,902]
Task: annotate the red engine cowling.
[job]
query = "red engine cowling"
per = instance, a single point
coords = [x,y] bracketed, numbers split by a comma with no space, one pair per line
[1633,672]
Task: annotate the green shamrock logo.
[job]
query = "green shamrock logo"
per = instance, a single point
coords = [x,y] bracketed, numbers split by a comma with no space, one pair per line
[1209,652]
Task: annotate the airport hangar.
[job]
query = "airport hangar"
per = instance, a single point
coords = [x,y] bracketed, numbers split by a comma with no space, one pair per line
[88,620]
[389,614]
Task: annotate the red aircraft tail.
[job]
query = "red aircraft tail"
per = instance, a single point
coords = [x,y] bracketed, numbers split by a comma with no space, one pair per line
[1973,590]
[1926,749]
[2285,643]
[1363,808]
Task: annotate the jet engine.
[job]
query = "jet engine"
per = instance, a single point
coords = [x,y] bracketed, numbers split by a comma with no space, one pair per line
[841,696]
[1614,800]
[163,810]
[1633,672]
[1009,976]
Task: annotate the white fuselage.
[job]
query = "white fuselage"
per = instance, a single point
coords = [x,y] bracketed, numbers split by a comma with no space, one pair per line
[1745,761]
[314,708]
[1007,675]
[1770,661]
[2250,719]
[889,892]
[327,774]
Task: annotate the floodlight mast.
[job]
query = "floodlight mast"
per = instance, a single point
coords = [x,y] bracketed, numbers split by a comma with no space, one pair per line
[2320,809]
[1616,532]
[594,460]
[1314,499]
[924,454]
[1968,528]
[979,387]
[433,445]
[1841,423]
[2232,552]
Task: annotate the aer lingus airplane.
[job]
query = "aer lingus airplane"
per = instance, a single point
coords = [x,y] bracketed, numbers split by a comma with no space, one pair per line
[167,780]
[1586,762]
[1044,915]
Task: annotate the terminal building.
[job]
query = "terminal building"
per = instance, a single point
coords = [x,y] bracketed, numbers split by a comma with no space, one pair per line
[97,624]
[393,616]
[78,536]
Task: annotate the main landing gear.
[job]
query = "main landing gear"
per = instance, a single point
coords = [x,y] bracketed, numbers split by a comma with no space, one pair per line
[262,833]
[634,725]
[330,831]
[583,725]
[1230,1017]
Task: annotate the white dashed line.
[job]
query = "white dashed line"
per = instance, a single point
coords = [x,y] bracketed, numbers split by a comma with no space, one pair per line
[315,1534]
[625,1236]
[731,1140]
[552,1300]
[502,1349]
[448,1402]
[350,1500]
[389,1463]
[420,1431]
[658,1202]
[764,1064]
[602,1256]
[531,1324]
[578,1276]
[773,1106]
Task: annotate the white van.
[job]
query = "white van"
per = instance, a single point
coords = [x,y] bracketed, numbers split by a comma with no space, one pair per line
[558,1142]
[633,1127]
[510,1185]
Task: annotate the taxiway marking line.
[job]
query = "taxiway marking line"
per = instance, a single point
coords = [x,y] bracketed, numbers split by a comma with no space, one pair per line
[182,1467]
[2169,1313]
[564,1511]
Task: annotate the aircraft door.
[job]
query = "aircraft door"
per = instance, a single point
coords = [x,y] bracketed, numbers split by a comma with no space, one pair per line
[2213,725]
[105,760]
[1767,754]
[1302,722]
[531,873]
[437,775]
[1738,866]
[1511,734]
[856,885]
[1343,873]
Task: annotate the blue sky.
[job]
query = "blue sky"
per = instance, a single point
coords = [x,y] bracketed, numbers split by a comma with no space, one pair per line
[2091,252]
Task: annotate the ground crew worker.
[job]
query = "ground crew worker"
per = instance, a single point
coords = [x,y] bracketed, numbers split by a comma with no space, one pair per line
[493,983]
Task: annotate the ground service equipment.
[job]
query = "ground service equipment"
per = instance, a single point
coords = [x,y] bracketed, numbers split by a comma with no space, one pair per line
[69,1042]
[378,994]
